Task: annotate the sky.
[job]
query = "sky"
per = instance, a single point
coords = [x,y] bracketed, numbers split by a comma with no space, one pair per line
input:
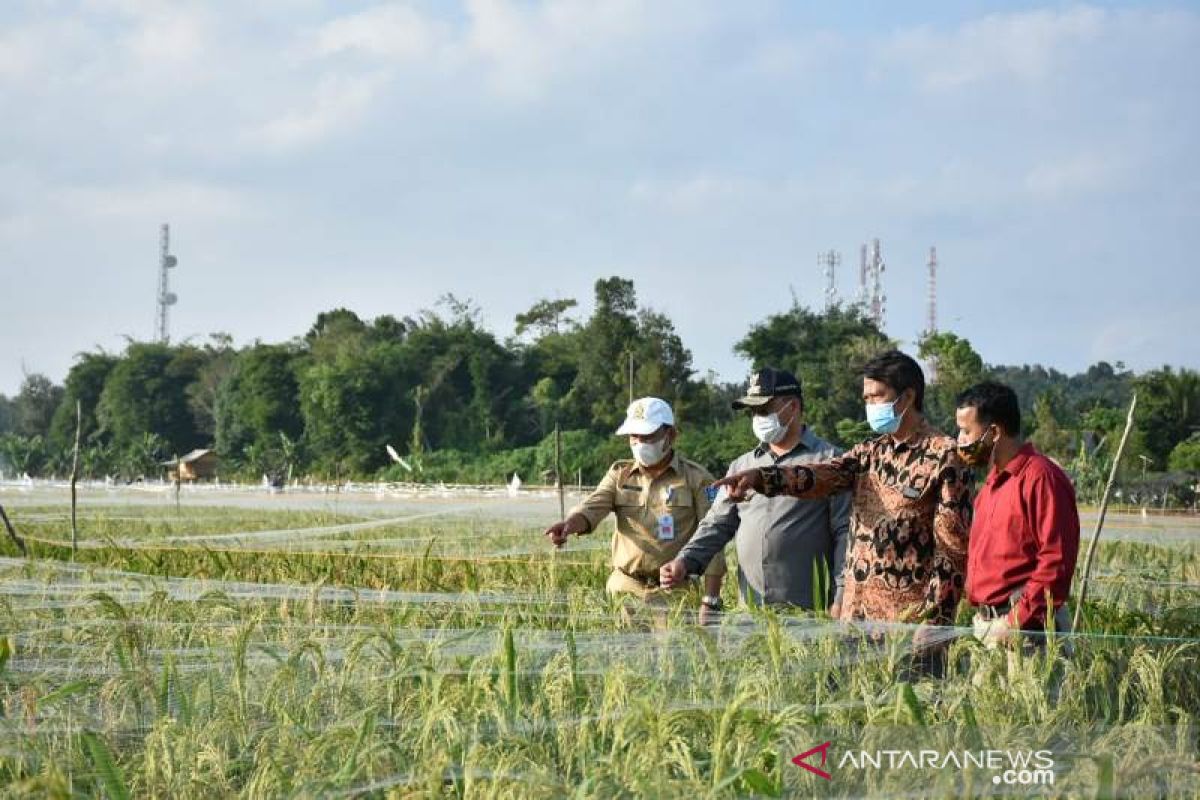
[313,154]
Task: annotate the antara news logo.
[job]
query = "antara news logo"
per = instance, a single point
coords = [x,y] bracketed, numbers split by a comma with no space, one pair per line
[1008,767]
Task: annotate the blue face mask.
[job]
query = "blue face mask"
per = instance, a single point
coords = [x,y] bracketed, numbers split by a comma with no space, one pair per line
[882,417]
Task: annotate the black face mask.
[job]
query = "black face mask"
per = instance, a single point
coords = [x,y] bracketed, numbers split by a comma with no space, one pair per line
[977,452]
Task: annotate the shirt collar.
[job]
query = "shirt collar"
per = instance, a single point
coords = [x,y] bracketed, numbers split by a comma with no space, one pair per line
[923,432]
[1018,463]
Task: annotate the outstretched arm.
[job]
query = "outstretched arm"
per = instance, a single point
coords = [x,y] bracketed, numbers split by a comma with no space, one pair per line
[587,515]
[802,480]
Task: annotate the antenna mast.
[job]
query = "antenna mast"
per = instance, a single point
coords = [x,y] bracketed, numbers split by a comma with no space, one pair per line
[931,325]
[829,262]
[878,300]
[864,297]
[166,298]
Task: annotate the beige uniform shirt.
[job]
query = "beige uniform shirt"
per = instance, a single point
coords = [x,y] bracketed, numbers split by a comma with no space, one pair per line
[655,517]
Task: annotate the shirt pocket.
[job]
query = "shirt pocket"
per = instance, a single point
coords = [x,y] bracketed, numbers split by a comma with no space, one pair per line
[676,497]
[628,498]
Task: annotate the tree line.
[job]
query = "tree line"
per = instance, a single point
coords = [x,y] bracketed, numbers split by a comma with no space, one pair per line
[456,403]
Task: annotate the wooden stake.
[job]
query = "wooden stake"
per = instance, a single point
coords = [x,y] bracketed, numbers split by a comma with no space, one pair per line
[631,377]
[1091,551]
[178,479]
[558,476]
[75,477]
[12,533]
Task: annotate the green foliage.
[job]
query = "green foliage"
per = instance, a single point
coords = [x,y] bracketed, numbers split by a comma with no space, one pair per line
[85,383]
[1049,434]
[464,406]
[352,406]
[33,407]
[106,767]
[957,366]
[586,456]
[1168,410]
[851,431]
[825,351]
[507,673]
[716,446]
[259,400]
[1186,456]
[22,454]
[547,317]
[146,392]
[600,391]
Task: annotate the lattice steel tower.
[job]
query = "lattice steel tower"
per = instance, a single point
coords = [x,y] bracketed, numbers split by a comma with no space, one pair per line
[864,293]
[166,298]
[877,306]
[931,324]
[829,262]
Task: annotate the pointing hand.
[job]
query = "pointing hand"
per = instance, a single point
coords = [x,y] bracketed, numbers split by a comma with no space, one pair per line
[741,484]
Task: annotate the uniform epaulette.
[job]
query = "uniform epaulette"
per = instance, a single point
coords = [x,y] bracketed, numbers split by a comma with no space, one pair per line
[622,466]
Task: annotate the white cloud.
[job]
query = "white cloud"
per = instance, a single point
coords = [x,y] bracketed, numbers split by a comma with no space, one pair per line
[1080,172]
[1145,340]
[152,201]
[695,193]
[527,47]
[335,104]
[29,52]
[170,36]
[392,32]
[1025,46]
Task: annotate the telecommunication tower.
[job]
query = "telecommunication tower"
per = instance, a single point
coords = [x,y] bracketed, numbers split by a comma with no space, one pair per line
[931,325]
[877,306]
[829,262]
[864,294]
[166,298]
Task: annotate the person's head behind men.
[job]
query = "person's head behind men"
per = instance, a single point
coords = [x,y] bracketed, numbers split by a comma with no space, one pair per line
[893,392]
[650,425]
[775,403]
[989,420]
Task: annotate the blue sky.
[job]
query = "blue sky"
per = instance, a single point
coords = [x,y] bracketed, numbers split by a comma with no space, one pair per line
[310,155]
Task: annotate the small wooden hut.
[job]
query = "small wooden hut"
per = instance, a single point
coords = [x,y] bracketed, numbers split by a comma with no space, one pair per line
[198,465]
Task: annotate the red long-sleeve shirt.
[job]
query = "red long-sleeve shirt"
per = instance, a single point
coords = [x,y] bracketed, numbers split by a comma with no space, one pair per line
[1025,535]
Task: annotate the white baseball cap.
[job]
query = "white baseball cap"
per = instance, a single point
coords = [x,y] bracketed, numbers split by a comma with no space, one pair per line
[646,415]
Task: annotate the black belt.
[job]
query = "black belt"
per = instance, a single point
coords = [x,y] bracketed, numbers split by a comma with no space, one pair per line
[649,581]
[1001,609]
[995,612]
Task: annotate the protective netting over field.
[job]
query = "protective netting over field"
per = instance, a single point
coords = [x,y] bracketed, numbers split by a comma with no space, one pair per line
[299,644]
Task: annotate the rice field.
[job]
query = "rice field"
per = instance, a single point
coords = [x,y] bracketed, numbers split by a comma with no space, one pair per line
[385,642]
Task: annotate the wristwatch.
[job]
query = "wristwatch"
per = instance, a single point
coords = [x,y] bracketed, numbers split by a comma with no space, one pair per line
[712,602]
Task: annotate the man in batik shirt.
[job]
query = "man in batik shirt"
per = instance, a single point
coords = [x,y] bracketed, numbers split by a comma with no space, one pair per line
[911,503]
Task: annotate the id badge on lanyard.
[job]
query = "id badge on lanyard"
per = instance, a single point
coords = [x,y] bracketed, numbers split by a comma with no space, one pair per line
[666,528]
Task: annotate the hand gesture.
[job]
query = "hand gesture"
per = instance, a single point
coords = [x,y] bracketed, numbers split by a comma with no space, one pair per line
[741,484]
[672,573]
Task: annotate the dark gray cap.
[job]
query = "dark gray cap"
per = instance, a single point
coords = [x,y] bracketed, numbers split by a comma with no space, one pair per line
[768,383]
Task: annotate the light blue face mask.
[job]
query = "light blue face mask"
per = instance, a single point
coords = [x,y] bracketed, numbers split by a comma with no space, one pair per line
[882,417]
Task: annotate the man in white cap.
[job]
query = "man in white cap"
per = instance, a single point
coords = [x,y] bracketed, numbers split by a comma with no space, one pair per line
[658,498]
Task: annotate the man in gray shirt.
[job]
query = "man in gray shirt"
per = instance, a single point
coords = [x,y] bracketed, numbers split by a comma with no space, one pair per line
[779,539]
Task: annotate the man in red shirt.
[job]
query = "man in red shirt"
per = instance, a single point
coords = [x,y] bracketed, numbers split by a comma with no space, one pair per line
[1025,533]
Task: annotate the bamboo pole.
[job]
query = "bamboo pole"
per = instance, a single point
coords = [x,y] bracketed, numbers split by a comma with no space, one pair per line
[1091,551]
[75,479]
